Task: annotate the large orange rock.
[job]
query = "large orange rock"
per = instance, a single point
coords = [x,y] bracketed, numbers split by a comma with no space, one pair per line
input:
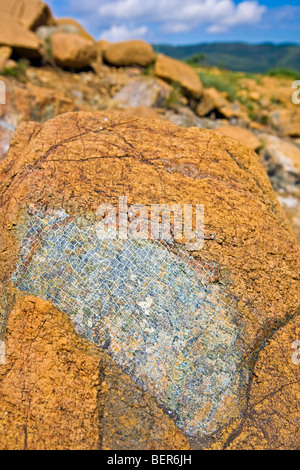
[128,53]
[30,13]
[173,70]
[16,36]
[167,338]
[72,50]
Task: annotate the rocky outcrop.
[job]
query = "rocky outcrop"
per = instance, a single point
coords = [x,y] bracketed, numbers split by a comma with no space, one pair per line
[179,329]
[29,13]
[25,102]
[16,36]
[175,71]
[72,50]
[124,54]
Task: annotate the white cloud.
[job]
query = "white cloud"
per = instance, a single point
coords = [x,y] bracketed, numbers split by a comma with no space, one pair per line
[247,12]
[176,16]
[122,19]
[122,33]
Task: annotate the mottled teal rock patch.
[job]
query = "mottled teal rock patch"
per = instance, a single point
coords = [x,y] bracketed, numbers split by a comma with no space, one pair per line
[158,318]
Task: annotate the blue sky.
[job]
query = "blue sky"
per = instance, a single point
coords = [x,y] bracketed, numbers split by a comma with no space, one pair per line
[186,21]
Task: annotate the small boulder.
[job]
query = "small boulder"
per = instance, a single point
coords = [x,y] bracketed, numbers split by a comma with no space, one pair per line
[213,101]
[173,70]
[72,50]
[124,54]
[286,121]
[244,136]
[144,91]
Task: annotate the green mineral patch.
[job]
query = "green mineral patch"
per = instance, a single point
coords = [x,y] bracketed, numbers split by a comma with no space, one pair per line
[158,318]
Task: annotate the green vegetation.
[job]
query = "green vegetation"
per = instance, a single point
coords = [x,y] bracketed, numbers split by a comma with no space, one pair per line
[48,47]
[221,83]
[175,98]
[284,73]
[196,59]
[149,70]
[19,71]
[238,56]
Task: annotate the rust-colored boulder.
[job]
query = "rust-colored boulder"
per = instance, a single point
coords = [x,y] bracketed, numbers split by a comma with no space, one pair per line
[174,71]
[123,54]
[287,121]
[213,102]
[72,50]
[30,13]
[244,136]
[16,36]
[167,337]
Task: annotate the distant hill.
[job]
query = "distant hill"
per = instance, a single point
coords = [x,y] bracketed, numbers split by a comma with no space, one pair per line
[240,57]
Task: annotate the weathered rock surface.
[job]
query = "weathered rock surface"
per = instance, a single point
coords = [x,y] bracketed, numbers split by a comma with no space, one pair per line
[15,35]
[70,381]
[71,50]
[129,53]
[175,71]
[273,417]
[30,13]
[183,332]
